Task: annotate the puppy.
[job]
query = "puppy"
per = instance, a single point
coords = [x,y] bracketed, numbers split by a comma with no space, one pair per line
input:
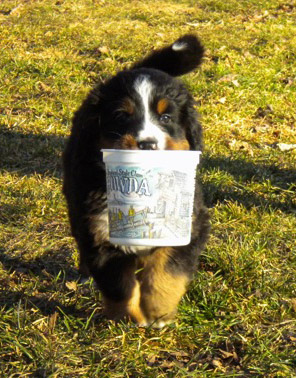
[145,108]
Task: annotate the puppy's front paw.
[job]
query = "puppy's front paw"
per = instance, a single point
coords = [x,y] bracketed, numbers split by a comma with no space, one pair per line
[157,323]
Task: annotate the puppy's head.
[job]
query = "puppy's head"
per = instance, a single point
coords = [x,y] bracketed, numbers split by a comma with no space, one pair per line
[146,107]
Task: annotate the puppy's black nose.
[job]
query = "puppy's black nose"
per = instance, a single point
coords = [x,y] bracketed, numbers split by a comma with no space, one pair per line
[149,144]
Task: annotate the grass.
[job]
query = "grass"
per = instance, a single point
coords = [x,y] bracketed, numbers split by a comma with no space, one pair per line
[239,317]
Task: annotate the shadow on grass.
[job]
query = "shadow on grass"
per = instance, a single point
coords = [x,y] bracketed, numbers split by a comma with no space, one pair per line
[245,170]
[50,264]
[48,270]
[282,181]
[28,154]
[46,306]
[31,153]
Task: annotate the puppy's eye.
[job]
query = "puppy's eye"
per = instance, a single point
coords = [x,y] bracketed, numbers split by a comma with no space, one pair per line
[165,118]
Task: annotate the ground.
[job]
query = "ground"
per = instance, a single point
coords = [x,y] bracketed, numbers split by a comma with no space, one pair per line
[239,317]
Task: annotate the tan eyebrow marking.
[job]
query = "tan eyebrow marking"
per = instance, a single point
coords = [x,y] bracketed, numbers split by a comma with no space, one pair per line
[162,105]
[127,106]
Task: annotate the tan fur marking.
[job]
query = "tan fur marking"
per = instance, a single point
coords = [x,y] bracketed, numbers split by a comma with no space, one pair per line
[127,106]
[181,144]
[128,142]
[162,105]
[161,291]
[129,309]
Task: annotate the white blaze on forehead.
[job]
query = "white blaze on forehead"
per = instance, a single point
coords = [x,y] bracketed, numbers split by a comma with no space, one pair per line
[150,130]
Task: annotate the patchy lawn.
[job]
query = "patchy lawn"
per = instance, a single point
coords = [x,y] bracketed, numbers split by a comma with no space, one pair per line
[239,316]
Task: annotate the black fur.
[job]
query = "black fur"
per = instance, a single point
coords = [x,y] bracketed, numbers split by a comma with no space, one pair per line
[175,62]
[100,123]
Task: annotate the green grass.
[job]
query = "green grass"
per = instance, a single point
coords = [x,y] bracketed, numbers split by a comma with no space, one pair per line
[239,317]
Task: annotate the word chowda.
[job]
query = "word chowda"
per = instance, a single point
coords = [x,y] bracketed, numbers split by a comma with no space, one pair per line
[127,182]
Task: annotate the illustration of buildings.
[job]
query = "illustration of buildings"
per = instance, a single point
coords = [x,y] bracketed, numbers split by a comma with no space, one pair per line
[167,215]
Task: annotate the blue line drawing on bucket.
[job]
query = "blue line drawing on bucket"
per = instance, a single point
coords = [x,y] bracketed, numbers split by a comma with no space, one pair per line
[148,203]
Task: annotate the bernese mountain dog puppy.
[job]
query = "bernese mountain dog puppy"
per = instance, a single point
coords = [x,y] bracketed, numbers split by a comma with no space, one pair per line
[144,107]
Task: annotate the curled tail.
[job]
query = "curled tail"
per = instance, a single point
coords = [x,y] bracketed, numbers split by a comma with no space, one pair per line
[183,56]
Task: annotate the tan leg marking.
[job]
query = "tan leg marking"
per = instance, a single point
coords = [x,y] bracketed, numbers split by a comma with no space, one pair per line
[128,309]
[160,291]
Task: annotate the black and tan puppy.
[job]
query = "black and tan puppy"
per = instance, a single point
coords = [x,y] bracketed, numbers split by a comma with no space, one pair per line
[144,107]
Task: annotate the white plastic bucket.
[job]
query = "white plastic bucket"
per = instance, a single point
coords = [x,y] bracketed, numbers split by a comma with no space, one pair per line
[150,196]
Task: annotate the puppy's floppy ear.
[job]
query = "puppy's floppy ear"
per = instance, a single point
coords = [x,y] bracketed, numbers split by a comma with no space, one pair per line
[181,57]
[191,124]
